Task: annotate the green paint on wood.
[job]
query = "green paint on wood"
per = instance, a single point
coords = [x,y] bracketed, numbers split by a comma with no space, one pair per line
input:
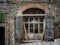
[2,17]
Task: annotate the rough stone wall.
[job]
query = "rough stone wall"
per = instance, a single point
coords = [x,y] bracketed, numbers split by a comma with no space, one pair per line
[10,7]
[57,30]
[57,20]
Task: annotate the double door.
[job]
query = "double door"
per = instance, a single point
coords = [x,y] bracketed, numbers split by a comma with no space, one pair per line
[34,27]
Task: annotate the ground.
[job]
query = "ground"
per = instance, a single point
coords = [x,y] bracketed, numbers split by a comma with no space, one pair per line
[40,43]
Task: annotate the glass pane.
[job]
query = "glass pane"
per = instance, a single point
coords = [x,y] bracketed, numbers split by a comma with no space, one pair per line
[26,19]
[31,19]
[41,26]
[36,30]
[36,26]
[31,26]
[31,30]
[41,19]
[36,19]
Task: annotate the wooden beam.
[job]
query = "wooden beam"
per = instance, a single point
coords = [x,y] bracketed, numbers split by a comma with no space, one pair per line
[34,14]
[26,35]
[42,35]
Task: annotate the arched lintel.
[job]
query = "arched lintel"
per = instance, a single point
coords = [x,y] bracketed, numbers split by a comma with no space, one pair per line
[39,6]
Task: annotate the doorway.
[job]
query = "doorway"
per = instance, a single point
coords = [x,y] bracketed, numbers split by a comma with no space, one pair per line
[2,35]
[34,27]
[34,23]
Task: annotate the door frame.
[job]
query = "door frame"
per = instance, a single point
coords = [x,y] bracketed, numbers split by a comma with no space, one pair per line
[32,15]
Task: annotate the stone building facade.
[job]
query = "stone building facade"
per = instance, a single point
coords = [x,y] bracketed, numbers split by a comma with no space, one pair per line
[16,11]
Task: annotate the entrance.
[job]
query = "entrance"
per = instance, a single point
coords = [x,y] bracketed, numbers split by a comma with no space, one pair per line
[2,36]
[34,23]
[34,27]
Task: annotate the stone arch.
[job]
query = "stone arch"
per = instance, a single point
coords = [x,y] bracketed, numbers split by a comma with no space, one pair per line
[39,6]
[34,11]
[28,6]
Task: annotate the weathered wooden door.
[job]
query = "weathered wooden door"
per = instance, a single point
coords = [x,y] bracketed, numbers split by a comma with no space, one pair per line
[49,31]
[19,33]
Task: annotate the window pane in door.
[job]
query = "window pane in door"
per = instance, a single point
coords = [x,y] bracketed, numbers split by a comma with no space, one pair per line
[26,19]
[36,30]
[41,25]
[31,30]
[31,19]
[31,26]
[41,19]
[36,19]
[36,26]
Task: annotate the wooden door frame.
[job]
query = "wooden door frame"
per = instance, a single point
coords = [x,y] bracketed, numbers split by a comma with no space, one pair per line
[34,15]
